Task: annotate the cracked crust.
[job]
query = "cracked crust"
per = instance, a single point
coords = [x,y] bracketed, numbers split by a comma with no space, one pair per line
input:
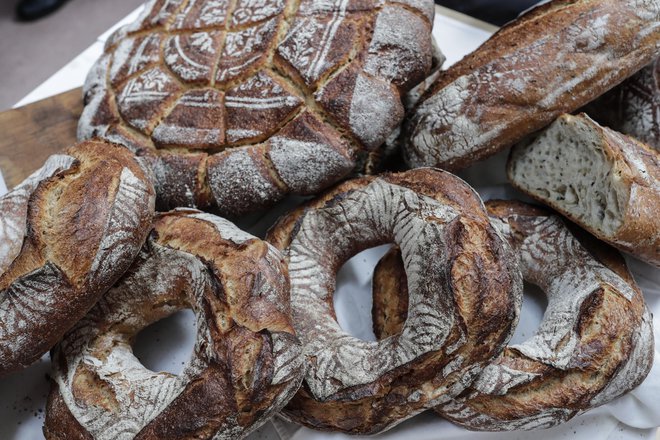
[594,344]
[67,233]
[552,60]
[247,361]
[465,305]
[192,80]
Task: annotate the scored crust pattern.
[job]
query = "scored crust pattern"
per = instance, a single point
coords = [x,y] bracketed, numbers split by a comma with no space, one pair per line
[578,337]
[54,263]
[192,83]
[554,59]
[454,260]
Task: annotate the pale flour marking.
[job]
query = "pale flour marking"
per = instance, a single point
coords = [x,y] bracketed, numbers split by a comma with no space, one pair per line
[119,238]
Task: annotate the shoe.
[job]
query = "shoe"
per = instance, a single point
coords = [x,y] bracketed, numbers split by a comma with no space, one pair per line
[28,10]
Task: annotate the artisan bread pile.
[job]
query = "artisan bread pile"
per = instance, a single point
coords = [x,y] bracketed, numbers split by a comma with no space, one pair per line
[230,106]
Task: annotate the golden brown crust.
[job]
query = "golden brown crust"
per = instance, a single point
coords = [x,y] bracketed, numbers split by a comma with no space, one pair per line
[77,223]
[480,283]
[610,351]
[187,79]
[246,363]
[552,60]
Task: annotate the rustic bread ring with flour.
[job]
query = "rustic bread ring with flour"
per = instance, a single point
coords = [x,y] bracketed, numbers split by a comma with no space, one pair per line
[595,341]
[467,293]
[237,104]
[67,233]
[247,361]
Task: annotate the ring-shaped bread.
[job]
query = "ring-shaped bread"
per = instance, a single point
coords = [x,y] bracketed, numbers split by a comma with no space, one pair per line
[67,233]
[246,363]
[595,341]
[464,307]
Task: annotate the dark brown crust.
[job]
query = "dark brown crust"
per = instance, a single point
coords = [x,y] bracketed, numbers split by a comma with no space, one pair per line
[212,401]
[607,326]
[552,60]
[484,285]
[60,423]
[182,80]
[85,224]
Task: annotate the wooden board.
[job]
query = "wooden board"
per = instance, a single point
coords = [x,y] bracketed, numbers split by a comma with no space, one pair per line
[29,134]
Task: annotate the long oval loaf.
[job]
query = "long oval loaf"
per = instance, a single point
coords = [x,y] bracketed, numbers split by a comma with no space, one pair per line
[606,182]
[552,60]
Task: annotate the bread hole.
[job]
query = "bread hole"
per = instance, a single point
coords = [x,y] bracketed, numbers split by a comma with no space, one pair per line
[534,304]
[353,293]
[167,345]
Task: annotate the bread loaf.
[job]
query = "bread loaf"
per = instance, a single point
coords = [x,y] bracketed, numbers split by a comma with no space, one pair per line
[464,302]
[237,104]
[66,234]
[595,341]
[606,182]
[246,364]
[552,60]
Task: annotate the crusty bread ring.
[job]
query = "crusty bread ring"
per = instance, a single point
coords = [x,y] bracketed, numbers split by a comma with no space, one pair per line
[595,341]
[246,363]
[465,305]
[67,233]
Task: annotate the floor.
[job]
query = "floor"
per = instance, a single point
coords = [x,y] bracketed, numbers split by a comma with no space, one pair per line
[31,52]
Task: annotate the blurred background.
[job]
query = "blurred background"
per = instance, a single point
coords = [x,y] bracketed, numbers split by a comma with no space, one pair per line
[31,51]
[497,12]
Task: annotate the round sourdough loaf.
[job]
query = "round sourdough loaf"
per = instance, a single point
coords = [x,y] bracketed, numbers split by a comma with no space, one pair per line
[246,364]
[595,341]
[465,298]
[237,104]
[67,233]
